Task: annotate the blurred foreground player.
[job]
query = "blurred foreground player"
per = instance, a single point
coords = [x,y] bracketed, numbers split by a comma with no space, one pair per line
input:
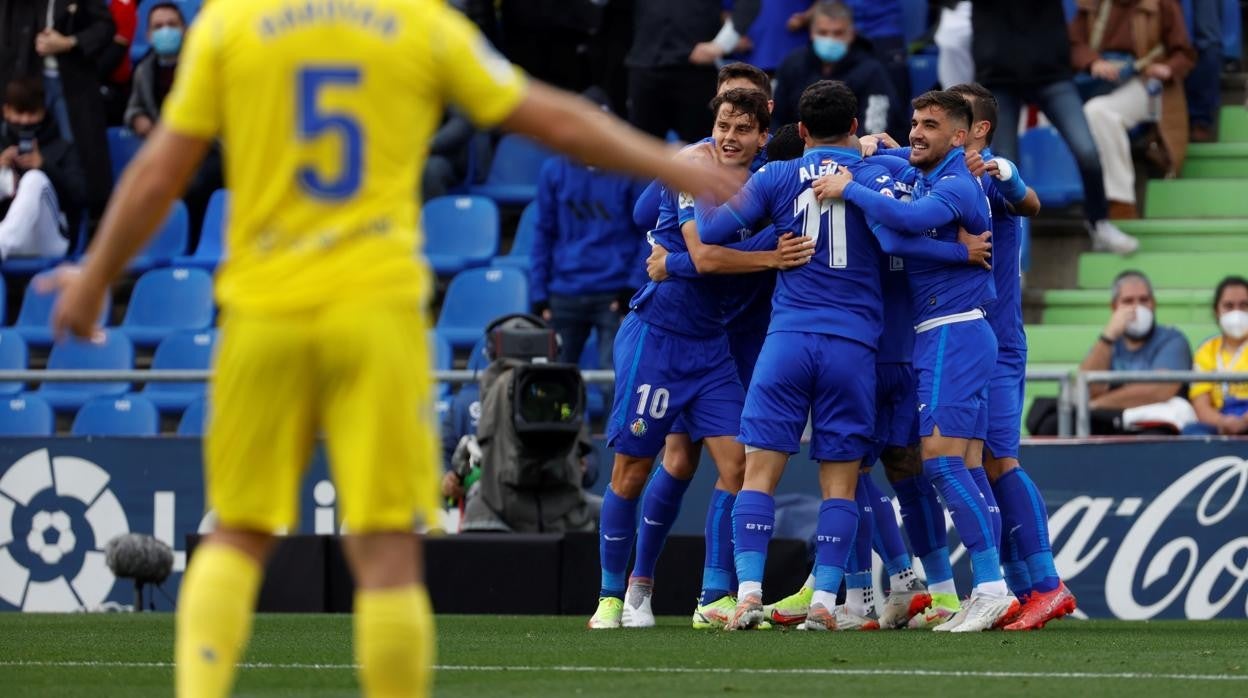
[327,116]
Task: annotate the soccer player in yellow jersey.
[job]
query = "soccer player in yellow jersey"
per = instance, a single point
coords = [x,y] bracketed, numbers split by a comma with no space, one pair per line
[325,109]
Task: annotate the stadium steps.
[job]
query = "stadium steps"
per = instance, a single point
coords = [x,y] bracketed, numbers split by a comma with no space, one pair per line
[1194,270]
[1196,198]
[1091,306]
[1233,124]
[1188,234]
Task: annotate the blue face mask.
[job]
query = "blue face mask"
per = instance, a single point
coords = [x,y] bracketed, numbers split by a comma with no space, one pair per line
[167,41]
[828,49]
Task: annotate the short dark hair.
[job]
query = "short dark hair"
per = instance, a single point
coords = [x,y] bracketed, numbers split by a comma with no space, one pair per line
[785,144]
[983,104]
[827,108]
[165,6]
[1224,284]
[739,70]
[953,104]
[25,94]
[834,9]
[745,101]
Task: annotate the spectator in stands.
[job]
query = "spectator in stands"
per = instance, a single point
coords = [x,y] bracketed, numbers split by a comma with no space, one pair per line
[1133,341]
[1022,54]
[447,164]
[63,40]
[835,52]
[116,87]
[668,89]
[954,64]
[588,258]
[1204,82]
[153,78]
[882,23]
[41,180]
[1137,49]
[758,33]
[1222,407]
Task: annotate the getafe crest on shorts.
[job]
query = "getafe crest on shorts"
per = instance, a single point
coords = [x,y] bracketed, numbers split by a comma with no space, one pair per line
[638,427]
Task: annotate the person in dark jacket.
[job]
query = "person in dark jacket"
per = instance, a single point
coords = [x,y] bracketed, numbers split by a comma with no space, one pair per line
[588,257]
[41,180]
[63,40]
[835,52]
[667,89]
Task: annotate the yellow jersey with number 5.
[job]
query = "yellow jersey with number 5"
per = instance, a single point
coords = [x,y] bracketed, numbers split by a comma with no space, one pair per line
[325,109]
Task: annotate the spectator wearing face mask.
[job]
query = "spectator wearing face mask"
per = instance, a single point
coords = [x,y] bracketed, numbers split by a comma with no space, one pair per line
[153,76]
[1222,407]
[835,52]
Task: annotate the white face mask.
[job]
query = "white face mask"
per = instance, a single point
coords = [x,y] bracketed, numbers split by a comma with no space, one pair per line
[1141,324]
[1235,324]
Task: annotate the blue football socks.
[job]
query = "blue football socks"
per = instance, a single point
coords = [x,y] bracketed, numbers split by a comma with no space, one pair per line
[970,515]
[980,476]
[719,578]
[834,536]
[660,504]
[753,520]
[1024,513]
[617,526]
[886,535]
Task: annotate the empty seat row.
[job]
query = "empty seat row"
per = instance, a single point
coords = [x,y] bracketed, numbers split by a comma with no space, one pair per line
[129,415]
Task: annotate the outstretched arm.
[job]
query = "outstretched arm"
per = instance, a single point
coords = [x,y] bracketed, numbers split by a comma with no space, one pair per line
[759,252]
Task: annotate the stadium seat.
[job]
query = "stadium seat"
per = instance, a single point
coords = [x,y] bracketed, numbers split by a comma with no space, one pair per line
[192,421]
[923,75]
[477,296]
[27,415]
[133,415]
[114,352]
[512,180]
[122,143]
[1233,124]
[169,242]
[34,318]
[1050,166]
[520,254]
[1195,198]
[479,357]
[443,359]
[1188,234]
[165,301]
[1194,270]
[914,19]
[184,350]
[1091,306]
[209,251]
[460,232]
[13,357]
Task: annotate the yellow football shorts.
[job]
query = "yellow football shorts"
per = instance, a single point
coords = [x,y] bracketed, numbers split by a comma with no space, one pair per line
[358,373]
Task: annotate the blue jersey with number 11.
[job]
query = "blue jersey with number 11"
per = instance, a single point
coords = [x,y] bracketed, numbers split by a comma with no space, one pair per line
[838,292]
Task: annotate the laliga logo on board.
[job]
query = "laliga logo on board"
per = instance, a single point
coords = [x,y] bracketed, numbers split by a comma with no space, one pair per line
[56,515]
[1211,583]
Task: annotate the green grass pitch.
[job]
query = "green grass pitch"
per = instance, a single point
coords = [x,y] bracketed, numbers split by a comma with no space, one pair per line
[310,655]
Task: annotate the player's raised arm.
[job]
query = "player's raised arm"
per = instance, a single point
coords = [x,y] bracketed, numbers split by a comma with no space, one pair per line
[903,216]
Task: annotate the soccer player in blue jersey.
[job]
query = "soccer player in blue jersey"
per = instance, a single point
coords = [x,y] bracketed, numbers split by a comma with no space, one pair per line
[672,359]
[1027,558]
[826,320]
[954,343]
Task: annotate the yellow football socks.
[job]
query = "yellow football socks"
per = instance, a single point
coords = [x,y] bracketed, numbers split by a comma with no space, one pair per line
[394,642]
[215,610]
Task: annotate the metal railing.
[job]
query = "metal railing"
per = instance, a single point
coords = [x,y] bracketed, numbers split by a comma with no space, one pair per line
[1073,386]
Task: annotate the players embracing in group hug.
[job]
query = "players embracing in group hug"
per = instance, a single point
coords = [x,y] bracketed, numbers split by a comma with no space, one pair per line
[839,253]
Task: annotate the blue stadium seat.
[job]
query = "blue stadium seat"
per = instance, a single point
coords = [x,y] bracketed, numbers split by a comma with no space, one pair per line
[209,251]
[512,180]
[479,358]
[27,415]
[477,296]
[13,357]
[184,350]
[520,254]
[460,232]
[122,144]
[132,415]
[443,359]
[923,76]
[595,402]
[169,242]
[34,318]
[114,352]
[1050,166]
[165,301]
[913,19]
[192,422]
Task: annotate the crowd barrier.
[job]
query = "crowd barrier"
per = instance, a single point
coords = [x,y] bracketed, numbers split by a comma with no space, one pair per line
[1141,528]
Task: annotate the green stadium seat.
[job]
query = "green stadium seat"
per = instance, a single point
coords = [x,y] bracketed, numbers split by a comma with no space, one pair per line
[1202,151]
[1195,270]
[1091,306]
[1196,198]
[1215,168]
[1188,234]
[1233,124]
[1067,344]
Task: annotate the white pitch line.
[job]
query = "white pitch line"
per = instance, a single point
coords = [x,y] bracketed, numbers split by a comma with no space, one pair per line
[939,673]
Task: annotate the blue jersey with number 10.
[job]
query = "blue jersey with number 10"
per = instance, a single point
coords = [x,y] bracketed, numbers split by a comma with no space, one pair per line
[838,292]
